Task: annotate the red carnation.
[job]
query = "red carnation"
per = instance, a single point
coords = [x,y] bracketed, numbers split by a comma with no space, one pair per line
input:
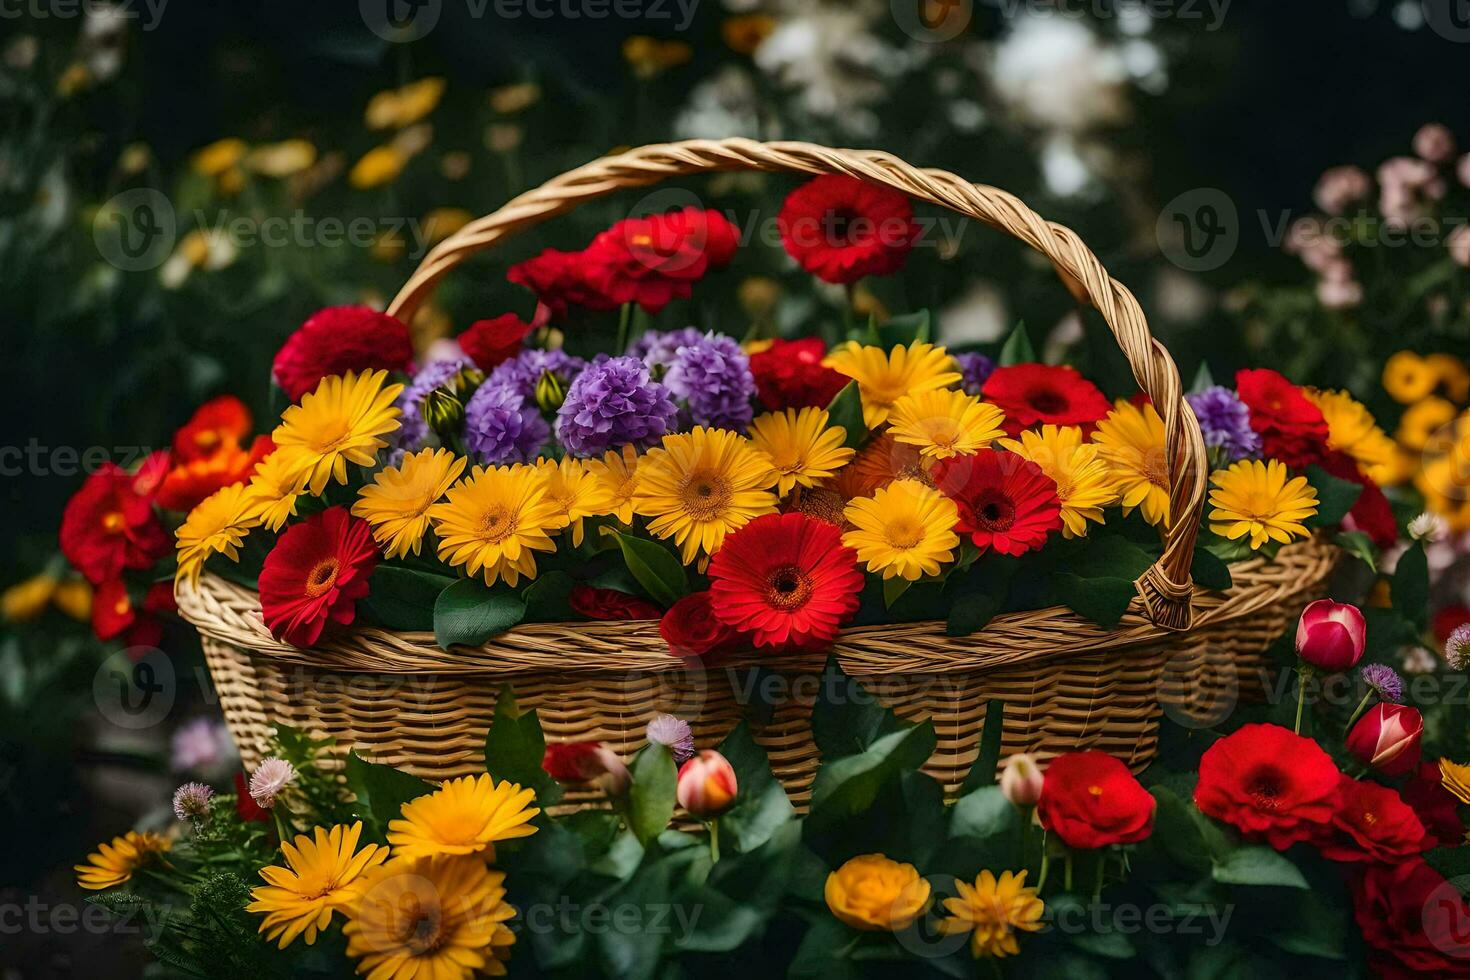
[108,526]
[1042,394]
[1005,502]
[1414,920]
[189,483]
[790,374]
[1371,512]
[691,629]
[1089,799]
[1437,807]
[488,342]
[114,615]
[593,603]
[1373,824]
[841,229]
[218,423]
[1292,429]
[560,280]
[316,572]
[786,579]
[339,339]
[1268,783]
[651,261]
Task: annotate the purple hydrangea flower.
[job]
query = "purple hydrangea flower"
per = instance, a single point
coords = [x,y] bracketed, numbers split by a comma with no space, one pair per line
[1383,679]
[521,372]
[413,430]
[1225,422]
[501,426]
[712,377]
[974,369]
[658,348]
[612,403]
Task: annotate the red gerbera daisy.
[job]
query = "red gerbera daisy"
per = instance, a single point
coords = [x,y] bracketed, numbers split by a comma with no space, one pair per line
[560,280]
[785,579]
[1373,824]
[841,229]
[339,339]
[189,483]
[1292,429]
[488,342]
[790,374]
[651,261]
[317,571]
[108,525]
[1005,502]
[1268,783]
[217,423]
[1041,394]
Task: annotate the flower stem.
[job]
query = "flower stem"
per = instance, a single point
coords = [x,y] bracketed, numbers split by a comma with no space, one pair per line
[1045,867]
[714,840]
[1358,711]
[1067,872]
[1097,883]
[1301,698]
[624,316]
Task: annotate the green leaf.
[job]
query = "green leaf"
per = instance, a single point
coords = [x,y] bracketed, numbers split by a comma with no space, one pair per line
[1256,864]
[548,599]
[823,951]
[1209,570]
[847,717]
[1018,349]
[403,598]
[651,800]
[1410,589]
[380,792]
[984,832]
[972,611]
[1335,497]
[468,613]
[761,805]
[847,786]
[515,748]
[1102,600]
[982,773]
[1360,546]
[1453,863]
[904,329]
[893,588]
[846,410]
[658,571]
[1202,378]
[1308,926]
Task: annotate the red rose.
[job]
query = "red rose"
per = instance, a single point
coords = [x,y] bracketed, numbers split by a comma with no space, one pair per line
[691,629]
[1387,738]
[1268,783]
[651,261]
[593,603]
[1371,512]
[315,573]
[339,339]
[1292,429]
[1041,394]
[560,280]
[488,342]
[1437,807]
[790,374]
[215,424]
[1416,922]
[1373,824]
[1089,799]
[841,229]
[108,526]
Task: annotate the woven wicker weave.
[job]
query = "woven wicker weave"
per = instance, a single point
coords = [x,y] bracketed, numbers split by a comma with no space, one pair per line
[1066,684]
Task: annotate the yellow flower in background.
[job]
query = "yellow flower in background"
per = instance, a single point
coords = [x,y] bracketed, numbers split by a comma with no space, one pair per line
[905,530]
[700,486]
[510,99]
[1083,478]
[945,423]
[27,600]
[1131,441]
[440,223]
[400,107]
[1423,419]
[872,892]
[801,445]
[575,492]
[281,159]
[1444,481]
[276,487]
[463,816]
[1258,499]
[1352,429]
[744,33]
[322,875]
[617,473]
[495,521]
[1407,377]
[650,57]
[991,911]
[378,166]
[74,597]
[113,864]
[884,378]
[1456,779]
[217,526]
[219,157]
[396,504]
[1450,372]
[340,422]
[208,249]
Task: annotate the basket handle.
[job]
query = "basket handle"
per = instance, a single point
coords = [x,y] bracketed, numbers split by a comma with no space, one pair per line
[1165,588]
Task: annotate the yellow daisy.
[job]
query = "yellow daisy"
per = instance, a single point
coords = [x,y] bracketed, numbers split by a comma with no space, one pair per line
[1450,372]
[1351,429]
[617,473]
[338,423]
[700,486]
[276,487]
[113,864]
[397,502]
[217,526]
[885,378]
[905,530]
[431,919]
[495,521]
[944,423]
[1456,779]
[991,911]
[1131,440]
[1422,420]
[1258,499]
[1407,377]
[1083,478]
[801,446]
[322,874]
[463,816]
[576,493]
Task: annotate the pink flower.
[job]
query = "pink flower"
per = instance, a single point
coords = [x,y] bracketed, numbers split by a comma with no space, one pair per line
[707,785]
[1459,245]
[269,780]
[1340,186]
[1462,170]
[1342,293]
[1387,738]
[1435,143]
[1021,780]
[1407,185]
[1317,247]
[1330,635]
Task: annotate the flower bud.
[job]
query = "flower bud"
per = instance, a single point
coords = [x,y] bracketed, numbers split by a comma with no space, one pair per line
[1021,779]
[1387,738]
[579,763]
[707,785]
[550,392]
[1330,635]
[443,411]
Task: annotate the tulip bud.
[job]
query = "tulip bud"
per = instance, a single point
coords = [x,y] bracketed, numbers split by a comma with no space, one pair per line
[550,392]
[577,763]
[1021,779]
[707,785]
[1330,635]
[1387,738]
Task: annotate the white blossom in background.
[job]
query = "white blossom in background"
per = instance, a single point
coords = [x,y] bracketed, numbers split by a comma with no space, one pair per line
[1062,167]
[1054,73]
[722,106]
[1428,527]
[979,316]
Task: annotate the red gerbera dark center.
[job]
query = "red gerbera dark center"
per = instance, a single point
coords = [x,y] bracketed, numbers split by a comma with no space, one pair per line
[1265,789]
[788,587]
[1047,401]
[995,511]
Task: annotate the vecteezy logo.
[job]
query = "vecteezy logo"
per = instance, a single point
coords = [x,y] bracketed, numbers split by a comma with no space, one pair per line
[1450,19]
[135,230]
[135,688]
[932,21]
[400,21]
[1199,230]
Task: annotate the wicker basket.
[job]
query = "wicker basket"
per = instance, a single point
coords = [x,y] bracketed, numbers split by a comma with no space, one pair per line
[1066,684]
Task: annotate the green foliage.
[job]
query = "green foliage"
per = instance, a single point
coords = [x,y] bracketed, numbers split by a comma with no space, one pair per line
[846,410]
[1018,349]
[1335,497]
[658,571]
[468,613]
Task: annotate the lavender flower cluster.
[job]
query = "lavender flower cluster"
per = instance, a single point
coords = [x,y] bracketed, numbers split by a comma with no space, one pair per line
[613,402]
[1225,422]
[707,372]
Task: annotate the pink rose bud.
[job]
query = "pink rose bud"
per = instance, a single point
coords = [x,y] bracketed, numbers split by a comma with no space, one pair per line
[577,763]
[1330,635]
[707,785]
[1387,738]
[1021,779]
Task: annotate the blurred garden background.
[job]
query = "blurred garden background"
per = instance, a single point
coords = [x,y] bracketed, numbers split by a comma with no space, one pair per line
[181,185]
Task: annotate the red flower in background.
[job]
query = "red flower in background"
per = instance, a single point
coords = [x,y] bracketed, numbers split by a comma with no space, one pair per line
[654,260]
[108,526]
[1373,824]
[1448,618]
[593,603]
[560,280]
[1042,394]
[113,614]
[245,806]
[841,229]
[691,629]
[786,579]
[1089,799]
[1292,429]
[1371,512]
[790,374]
[1006,503]
[339,339]
[189,483]
[1416,922]
[1268,783]
[1437,807]
[149,475]
[316,572]
[576,763]
[489,342]
[218,423]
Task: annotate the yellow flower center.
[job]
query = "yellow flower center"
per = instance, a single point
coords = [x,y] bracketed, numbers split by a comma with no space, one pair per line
[421,930]
[903,533]
[705,495]
[113,522]
[322,577]
[498,523]
[1095,790]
